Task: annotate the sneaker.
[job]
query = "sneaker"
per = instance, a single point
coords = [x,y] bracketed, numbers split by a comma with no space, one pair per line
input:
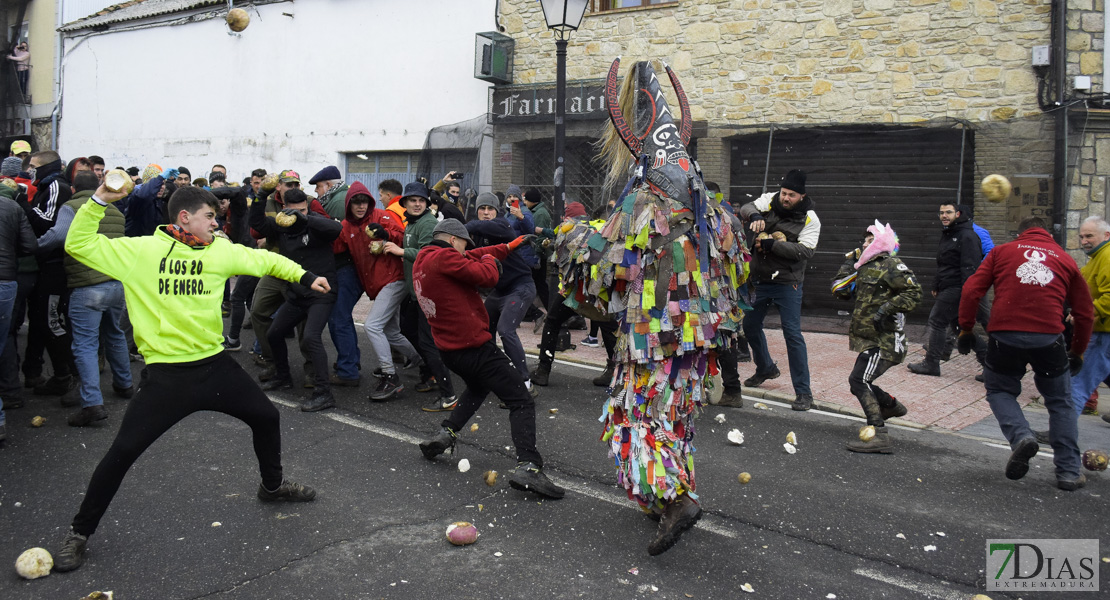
[268,373]
[1070,485]
[530,478]
[287,491]
[590,342]
[441,404]
[389,387]
[124,392]
[87,415]
[427,385]
[802,402]
[342,382]
[1018,465]
[56,386]
[320,400]
[925,368]
[980,378]
[232,345]
[277,383]
[261,361]
[759,378]
[443,441]
[72,554]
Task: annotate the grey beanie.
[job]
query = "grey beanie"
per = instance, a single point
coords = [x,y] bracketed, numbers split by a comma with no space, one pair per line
[11,166]
[514,190]
[487,199]
[455,228]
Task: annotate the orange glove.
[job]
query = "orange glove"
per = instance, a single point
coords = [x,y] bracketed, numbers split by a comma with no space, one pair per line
[513,245]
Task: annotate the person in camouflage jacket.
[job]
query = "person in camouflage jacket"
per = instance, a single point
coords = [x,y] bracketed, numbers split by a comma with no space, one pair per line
[885,289]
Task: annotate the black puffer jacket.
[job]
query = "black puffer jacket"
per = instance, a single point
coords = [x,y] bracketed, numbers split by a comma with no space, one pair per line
[786,262]
[16,236]
[959,254]
[308,242]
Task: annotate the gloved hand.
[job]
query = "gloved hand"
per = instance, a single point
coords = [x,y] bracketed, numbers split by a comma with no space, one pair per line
[376,231]
[966,342]
[524,239]
[500,271]
[170,174]
[765,244]
[1075,363]
[883,319]
[288,217]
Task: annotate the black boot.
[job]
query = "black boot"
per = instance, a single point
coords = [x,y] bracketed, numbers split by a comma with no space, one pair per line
[893,411]
[678,517]
[606,376]
[443,441]
[925,367]
[321,399]
[540,375]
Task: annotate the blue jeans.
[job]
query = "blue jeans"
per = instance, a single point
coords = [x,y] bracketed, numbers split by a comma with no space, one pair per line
[383,327]
[506,310]
[1096,366]
[96,310]
[341,324]
[788,299]
[1008,353]
[7,301]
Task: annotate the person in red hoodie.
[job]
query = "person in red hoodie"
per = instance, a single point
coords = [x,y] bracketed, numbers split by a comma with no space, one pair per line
[366,228]
[1033,280]
[446,278]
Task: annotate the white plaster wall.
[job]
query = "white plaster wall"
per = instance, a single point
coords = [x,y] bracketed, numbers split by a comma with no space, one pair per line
[340,76]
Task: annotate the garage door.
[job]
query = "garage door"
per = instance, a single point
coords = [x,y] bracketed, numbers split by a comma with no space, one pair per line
[898,175]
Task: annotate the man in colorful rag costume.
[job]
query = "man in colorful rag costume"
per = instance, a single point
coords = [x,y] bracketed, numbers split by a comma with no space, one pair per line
[885,289]
[666,266]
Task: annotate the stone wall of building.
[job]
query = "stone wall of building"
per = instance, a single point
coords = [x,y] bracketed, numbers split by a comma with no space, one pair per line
[819,62]
[1089,131]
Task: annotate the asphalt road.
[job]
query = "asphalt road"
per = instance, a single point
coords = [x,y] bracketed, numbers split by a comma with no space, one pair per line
[814,524]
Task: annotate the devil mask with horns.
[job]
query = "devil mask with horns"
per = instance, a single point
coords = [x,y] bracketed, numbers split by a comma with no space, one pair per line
[653,138]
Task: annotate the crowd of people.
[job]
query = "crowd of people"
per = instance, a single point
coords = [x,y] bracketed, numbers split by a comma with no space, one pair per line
[170,269]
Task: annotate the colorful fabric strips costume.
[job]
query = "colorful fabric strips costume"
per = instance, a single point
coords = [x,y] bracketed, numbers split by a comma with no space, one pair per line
[666,266]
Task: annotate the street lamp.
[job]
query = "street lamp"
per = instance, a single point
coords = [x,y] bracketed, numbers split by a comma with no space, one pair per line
[562,16]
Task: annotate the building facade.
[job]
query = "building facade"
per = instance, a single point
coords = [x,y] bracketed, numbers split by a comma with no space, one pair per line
[892,107]
[360,85]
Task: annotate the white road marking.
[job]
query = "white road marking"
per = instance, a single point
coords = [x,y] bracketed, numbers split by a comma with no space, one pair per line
[925,589]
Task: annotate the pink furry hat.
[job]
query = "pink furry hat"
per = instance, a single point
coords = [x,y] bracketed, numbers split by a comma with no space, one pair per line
[885,241]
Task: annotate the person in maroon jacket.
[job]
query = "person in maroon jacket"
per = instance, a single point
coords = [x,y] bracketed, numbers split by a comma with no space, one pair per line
[365,231]
[446,278]
[1033,280]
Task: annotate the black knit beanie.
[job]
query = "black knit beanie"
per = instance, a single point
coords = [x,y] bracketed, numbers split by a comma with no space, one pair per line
[795,180]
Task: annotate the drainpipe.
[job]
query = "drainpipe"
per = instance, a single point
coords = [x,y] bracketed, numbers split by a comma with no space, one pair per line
[1060,163]
[58,7]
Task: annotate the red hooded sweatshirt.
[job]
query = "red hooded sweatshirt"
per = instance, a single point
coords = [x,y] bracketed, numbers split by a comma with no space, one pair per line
[375,271]
[1033,279]
[446,285]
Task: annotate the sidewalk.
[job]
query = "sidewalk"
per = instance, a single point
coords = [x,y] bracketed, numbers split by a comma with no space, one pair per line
[954,401]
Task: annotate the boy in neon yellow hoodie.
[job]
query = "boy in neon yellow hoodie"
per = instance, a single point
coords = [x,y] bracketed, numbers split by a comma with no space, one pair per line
[174,281]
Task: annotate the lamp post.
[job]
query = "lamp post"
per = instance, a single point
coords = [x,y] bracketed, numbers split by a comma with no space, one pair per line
[562,17]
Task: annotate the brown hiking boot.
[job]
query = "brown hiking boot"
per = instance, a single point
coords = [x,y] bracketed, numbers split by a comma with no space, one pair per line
[880,444]
[678,517]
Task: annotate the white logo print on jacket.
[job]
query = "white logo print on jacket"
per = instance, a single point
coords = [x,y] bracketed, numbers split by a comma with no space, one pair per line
[1033,270]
